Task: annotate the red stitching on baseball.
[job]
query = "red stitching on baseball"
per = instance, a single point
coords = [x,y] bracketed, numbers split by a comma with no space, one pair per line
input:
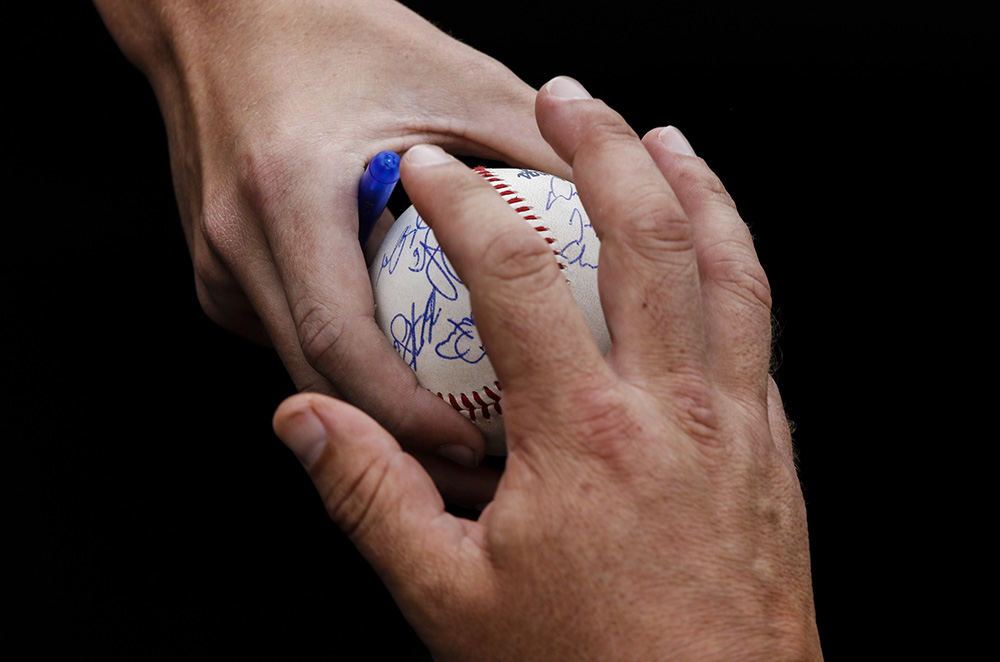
[504,189]
[478,404]
[465,405]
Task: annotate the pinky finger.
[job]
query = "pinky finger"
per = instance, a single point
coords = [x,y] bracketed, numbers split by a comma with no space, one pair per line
[736,296]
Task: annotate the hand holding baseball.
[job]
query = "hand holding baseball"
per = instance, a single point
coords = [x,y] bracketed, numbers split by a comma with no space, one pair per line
[272,110]
[649,508]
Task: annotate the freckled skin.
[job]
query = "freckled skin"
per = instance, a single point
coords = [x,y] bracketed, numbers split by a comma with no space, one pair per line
[649,507]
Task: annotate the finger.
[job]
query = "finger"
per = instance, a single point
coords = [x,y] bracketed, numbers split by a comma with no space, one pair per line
[312,233]
[648,275]
[376,493]
[454,468]
[254,270]
[238,257]
[735,290]
[460,485]
[533,331]
[221,297]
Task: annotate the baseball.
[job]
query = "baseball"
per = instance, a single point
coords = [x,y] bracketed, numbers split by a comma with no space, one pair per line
[423,307]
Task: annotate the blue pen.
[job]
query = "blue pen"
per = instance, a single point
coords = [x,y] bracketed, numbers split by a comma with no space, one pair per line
[376,186]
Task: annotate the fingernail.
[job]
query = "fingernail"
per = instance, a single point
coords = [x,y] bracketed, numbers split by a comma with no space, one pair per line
[461,455]
[564,87]
[675,141]
[304,435]
[427,155]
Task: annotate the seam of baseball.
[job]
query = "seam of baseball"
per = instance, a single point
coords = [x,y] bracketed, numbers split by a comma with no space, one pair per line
[513,198]
[463,403]
[477,403]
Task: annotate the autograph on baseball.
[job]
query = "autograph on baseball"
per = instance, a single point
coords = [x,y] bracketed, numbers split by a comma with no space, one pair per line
[423,307]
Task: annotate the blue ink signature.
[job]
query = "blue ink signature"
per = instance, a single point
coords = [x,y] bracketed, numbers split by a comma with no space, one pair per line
[566,191]
[411,333]
[461,343]
[417,251]
[427,257]
[575,251]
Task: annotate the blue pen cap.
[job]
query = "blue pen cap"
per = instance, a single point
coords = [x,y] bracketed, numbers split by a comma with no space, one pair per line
[377,184]
[385,167]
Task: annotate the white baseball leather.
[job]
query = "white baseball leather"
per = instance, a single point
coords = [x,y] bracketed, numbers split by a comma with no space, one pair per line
[423,307]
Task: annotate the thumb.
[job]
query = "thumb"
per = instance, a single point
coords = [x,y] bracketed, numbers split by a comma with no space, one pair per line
[376,493]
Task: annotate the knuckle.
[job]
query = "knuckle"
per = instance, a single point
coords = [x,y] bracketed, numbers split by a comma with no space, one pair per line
[321,335]
[226,306]
[261,173]
[606,129]
[604,422]
[694,404]
[351,501]
[209,305]
[659,221]
[208,269]
[694,174]
[656,228]
[519,256]
[269,166]
[216,290]
[219,231]
[731,265]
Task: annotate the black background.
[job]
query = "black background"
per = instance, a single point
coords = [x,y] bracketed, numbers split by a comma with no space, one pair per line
[154,514]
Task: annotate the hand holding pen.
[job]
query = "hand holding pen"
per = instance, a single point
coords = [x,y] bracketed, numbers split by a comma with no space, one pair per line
[269,129]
